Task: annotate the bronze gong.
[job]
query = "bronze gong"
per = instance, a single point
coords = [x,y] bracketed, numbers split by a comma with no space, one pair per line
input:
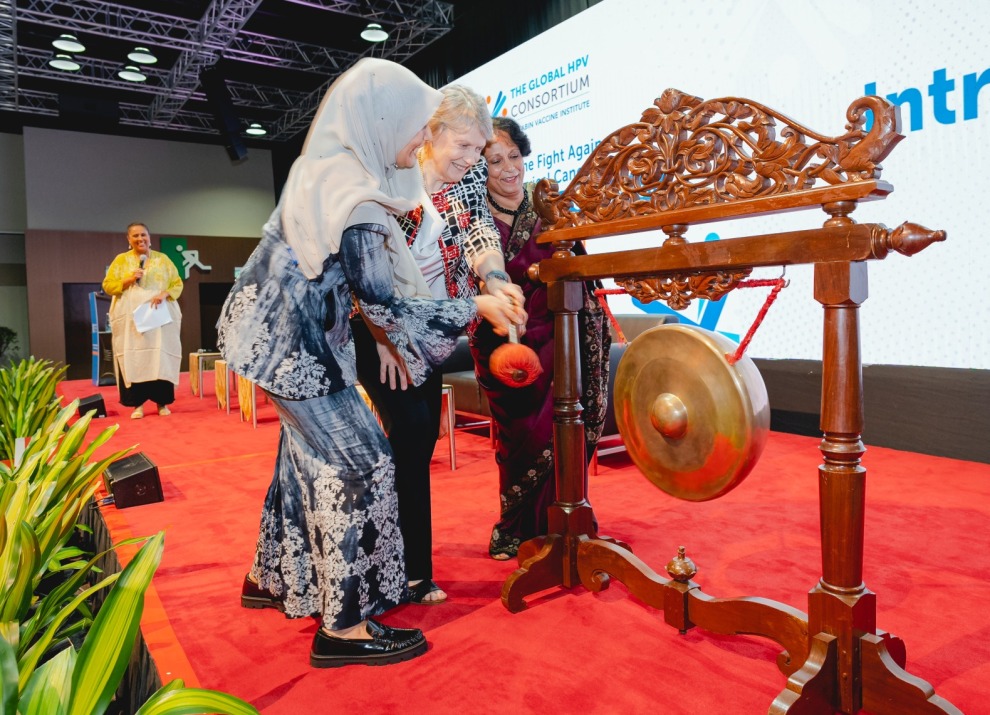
[693,423]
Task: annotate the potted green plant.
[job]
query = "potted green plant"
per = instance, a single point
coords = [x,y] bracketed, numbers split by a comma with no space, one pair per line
[27,403]
[42,497]
[42,493]
[83,682]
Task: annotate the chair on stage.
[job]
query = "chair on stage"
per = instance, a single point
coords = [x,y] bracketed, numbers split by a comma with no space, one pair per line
[199,362]
[222,382]
[247,400]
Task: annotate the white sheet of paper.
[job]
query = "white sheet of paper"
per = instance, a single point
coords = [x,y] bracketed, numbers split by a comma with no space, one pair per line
[146,318]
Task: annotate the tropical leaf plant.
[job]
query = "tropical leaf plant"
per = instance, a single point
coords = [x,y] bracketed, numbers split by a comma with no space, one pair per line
[42,494]
[27,401]
[60,476]
[84,682]
[42,498]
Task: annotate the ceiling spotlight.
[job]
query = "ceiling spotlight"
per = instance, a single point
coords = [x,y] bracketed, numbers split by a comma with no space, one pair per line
[132,74]
[256,130]
[374,33]
[68,43]
[63,62]
[142,55]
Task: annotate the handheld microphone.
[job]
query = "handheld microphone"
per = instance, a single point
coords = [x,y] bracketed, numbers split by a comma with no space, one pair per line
[142,259]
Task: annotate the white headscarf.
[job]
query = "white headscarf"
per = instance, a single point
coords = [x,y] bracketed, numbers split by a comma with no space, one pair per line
[346,173]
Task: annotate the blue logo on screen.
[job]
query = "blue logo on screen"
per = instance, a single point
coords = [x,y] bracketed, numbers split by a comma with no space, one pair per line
[498,104]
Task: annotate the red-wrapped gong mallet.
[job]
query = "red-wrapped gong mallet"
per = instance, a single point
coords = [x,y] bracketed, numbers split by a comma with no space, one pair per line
[513,363]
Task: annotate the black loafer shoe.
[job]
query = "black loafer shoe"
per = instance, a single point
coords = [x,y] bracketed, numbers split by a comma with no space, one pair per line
[254,596]
[387,645]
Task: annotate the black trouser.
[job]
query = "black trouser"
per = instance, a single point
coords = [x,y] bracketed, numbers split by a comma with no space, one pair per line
[161,392]
[411,418]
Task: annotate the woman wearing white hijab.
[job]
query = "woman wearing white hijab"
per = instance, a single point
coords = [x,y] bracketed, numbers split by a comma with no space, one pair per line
[329,541]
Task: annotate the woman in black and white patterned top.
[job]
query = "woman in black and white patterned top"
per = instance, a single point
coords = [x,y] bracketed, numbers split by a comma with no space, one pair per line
[458,250]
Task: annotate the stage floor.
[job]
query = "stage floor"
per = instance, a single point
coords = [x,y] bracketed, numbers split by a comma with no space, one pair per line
[574,651]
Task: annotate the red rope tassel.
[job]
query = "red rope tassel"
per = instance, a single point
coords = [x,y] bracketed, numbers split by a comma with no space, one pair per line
[600,293]
[777,284]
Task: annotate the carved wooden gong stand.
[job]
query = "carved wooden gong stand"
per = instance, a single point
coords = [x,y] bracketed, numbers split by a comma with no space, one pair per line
[690,161]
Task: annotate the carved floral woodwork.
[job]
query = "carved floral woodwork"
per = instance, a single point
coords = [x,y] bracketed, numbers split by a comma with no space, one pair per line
[678,291]
[687,152]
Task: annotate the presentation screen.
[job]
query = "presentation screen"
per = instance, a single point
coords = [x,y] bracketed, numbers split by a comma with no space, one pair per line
[573,85]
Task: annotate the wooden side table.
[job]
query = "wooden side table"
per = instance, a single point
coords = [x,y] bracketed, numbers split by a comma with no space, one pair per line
[247,400]
[221,380]
[200,362]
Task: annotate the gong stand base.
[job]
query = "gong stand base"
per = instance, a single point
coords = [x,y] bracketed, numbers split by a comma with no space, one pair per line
[825,675]
[820,670]
[885,686]
[549,561]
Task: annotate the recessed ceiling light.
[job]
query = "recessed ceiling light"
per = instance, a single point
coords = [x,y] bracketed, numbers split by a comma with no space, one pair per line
[256,130]
[374,33]
[142,55]
[68,43]
[63,62]
[132,74]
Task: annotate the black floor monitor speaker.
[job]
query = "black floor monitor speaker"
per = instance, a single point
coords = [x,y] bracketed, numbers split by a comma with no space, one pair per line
[132,481]
[91,403]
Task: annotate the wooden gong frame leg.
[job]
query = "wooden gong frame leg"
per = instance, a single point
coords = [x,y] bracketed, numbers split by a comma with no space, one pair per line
[850,664]
[552,560]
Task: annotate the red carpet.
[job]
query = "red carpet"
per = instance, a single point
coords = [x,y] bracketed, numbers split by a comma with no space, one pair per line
[572,651]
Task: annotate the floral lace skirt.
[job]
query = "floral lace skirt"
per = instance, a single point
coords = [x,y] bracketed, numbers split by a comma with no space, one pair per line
[329,541]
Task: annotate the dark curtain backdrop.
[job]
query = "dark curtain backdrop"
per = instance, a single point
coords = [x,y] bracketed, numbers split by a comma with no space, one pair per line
[482,31]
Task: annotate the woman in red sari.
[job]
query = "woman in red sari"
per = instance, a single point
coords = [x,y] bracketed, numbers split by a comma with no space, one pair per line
[524,416]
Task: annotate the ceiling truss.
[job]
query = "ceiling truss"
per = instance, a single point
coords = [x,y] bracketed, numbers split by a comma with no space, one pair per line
[218,34]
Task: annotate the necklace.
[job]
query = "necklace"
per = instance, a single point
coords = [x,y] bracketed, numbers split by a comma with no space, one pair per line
[509,212]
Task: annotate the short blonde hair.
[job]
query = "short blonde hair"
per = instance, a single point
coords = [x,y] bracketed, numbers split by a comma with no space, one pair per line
[462,109]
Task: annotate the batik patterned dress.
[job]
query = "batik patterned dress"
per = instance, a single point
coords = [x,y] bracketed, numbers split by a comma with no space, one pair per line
[329,541]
